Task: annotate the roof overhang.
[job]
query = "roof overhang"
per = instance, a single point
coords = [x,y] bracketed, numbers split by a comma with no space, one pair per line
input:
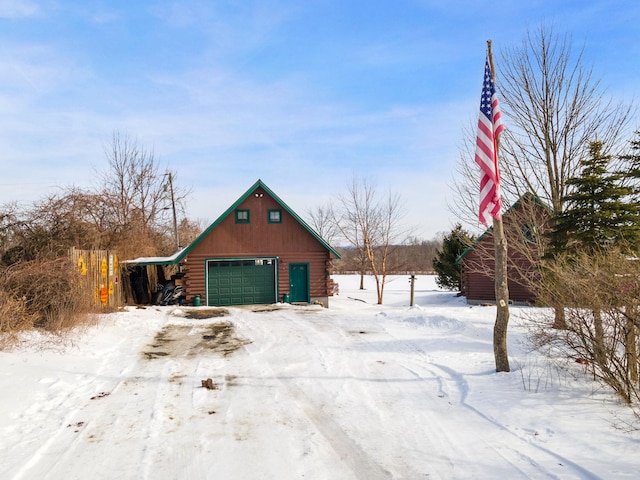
[145,261]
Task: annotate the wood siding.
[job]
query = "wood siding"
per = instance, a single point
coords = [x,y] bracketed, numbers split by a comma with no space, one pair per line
[288,241]
[478,281]
[478,264]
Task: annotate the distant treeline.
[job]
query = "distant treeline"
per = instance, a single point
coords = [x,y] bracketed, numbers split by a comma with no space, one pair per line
[414,257]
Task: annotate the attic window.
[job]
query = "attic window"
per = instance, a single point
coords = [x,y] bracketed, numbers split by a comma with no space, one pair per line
[242,216]
[275,216]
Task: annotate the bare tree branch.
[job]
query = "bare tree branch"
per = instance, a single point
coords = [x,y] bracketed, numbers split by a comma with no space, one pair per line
[553,107]
[372,225]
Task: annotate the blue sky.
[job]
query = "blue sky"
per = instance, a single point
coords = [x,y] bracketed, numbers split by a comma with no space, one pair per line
[299,93]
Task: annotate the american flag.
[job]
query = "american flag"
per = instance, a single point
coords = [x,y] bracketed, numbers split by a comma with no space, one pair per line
[489,128]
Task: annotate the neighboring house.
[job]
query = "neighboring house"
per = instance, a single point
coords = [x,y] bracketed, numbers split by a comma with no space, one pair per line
[524,223]
[258,251]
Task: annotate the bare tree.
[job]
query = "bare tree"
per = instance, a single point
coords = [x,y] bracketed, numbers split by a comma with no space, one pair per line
[130,211]
[189,230]
[133,182]
[136,196]
[553,107]
[417,255]
[372,225]
[321,220]
[46,229]
[10,226]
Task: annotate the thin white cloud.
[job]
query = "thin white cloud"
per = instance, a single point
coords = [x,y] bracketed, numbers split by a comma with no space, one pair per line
[226,28]
[102,17]
[34,69]
[226,106]
[18,8]
[179,14]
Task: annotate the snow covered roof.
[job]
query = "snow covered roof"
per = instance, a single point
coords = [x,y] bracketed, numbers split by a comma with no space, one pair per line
[156,260]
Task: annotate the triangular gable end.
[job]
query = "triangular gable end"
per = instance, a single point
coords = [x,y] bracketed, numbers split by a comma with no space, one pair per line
[527,196]
[232,208]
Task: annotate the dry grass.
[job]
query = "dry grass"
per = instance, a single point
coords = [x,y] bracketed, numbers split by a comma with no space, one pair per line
[46,295]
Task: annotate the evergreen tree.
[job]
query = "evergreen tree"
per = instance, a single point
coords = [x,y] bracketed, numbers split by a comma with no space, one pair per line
[453,245]
[602,216]
[631,164]
[599,210]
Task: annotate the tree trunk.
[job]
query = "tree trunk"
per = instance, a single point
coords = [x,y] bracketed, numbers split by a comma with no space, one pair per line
[502,299]
[631,346]
[599,347]
[559,318]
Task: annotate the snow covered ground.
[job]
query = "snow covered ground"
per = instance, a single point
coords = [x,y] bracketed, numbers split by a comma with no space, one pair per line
[356,391]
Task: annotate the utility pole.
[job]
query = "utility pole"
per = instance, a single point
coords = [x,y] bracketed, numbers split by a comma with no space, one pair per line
[173,207]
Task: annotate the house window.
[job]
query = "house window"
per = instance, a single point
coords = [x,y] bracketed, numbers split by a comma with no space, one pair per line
[242,216]
[530,233]
[275,216]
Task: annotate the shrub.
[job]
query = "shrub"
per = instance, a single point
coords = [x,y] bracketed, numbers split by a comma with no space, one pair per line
[48,295]
[601,295]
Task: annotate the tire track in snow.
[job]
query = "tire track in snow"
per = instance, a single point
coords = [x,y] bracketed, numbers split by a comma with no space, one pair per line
[153,453]
[442,414]
[510,451]
[175,440]
[93,440]
[83,430]
[363,377]
[347,449]
[454,388]
[59,411]
[536,462]
[76,429]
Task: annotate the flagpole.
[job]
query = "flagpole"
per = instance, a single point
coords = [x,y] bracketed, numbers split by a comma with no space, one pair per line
[500,275]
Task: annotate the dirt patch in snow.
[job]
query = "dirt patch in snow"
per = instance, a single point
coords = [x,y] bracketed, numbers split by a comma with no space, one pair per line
[188,341]
[202,313]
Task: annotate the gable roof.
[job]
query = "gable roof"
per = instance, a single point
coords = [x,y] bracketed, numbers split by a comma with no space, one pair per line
[527,196]
[178,256]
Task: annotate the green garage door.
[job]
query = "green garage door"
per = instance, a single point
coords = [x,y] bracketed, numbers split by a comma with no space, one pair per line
[241,282]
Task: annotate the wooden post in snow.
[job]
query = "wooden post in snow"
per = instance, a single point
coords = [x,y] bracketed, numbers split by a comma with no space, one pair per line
[412,280]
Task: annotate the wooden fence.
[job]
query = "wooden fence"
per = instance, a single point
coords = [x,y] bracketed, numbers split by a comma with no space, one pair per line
[101,271]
